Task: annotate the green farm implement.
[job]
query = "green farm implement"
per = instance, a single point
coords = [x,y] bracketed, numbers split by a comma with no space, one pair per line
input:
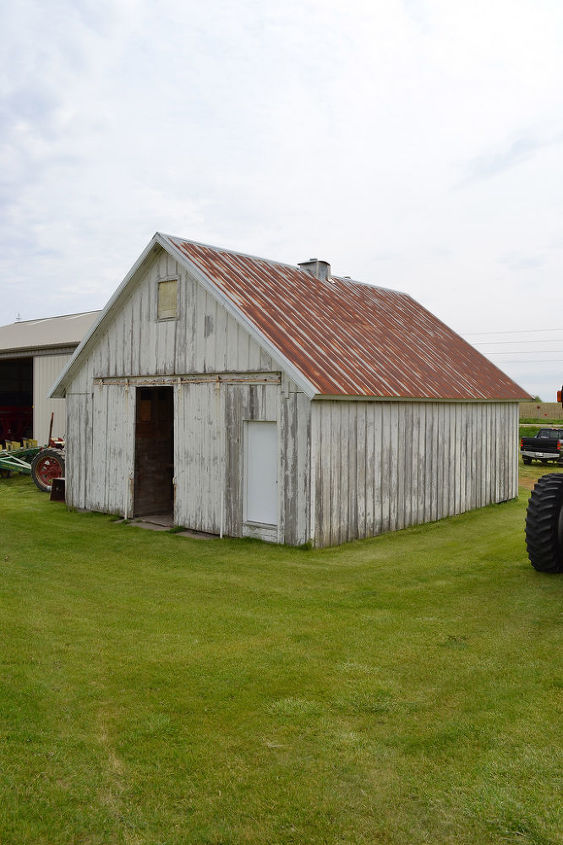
[17,460]
[43,464]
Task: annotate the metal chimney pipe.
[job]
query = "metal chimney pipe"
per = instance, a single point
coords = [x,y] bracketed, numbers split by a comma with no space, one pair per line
[318,268]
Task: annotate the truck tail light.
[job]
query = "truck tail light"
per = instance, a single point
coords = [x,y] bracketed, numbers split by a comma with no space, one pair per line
[521,443]
[558,447]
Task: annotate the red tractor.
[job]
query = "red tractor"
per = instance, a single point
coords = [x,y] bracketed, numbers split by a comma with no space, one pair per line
[47,465]
[43,463]
[544,521]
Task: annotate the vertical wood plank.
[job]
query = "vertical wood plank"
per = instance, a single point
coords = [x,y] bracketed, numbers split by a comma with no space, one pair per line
[361,465]
[400,465]
[386,467]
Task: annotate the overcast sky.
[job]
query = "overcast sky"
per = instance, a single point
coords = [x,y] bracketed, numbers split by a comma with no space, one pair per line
[415,144]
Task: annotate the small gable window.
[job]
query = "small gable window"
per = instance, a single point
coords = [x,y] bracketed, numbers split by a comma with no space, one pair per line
[167,300]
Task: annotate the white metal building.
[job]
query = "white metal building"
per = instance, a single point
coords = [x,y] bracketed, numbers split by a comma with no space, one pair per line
[251,398]
[32,355]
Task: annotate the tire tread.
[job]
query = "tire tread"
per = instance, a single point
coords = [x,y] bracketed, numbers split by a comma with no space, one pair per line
[545,547]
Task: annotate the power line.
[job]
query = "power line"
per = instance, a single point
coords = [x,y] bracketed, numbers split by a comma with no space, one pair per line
[534,361]
[515,331]
[499,342]
[525,352]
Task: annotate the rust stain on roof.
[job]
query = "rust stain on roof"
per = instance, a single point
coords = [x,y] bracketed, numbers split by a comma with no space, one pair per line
[349,338]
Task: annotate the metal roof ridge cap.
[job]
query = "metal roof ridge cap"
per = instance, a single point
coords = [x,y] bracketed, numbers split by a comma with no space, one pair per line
[232,251]
[349,281]
[275,263]
[44,319]
[300,378]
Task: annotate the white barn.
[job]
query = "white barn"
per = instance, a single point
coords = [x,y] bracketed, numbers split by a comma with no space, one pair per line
[246,397]
[32,355]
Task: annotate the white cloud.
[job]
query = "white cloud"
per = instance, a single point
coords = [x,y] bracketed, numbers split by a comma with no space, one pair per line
[415,144]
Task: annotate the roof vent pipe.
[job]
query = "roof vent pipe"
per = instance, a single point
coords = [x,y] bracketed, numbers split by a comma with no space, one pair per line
[319,269]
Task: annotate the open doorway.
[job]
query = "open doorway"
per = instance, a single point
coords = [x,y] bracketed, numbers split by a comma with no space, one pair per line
[154,452]
[16,399]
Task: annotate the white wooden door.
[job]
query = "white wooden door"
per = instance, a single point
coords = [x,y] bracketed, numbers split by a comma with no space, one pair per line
[261,472]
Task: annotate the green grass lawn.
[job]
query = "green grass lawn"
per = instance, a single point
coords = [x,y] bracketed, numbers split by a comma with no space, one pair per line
[158,689]
[539,422]
[530,430]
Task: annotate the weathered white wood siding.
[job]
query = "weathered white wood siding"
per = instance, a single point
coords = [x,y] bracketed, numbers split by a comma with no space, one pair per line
[381,466]
[209,457]
[208,453]
[113,448]
[100,449]
[78,459]
[347,469]
[209,420]
[204,338]
[46,370]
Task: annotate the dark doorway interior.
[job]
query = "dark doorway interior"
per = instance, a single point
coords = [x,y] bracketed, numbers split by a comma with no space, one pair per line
[154,451]
[16,398]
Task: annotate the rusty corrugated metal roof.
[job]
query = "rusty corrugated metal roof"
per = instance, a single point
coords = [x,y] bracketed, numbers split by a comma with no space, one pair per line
[349,338]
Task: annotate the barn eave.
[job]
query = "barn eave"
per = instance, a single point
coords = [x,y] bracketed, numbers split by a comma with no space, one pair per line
[165,242]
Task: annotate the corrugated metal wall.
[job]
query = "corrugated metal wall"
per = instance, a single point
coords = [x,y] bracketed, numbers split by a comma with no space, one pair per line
[46,370]
[381,466]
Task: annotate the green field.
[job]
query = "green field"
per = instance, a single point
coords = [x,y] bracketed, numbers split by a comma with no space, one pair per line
[158,689]
[531,429]
[537,423]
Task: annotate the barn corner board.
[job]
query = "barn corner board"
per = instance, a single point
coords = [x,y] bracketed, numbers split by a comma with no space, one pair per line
[246,397]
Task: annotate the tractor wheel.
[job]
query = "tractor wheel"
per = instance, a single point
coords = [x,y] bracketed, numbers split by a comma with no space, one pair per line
[526,460]
[46,465]
[544,524]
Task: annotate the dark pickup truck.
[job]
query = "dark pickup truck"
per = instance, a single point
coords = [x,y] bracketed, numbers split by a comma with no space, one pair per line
[546,446]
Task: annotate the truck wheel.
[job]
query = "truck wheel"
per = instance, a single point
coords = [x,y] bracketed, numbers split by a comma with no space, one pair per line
[526,460]
[544,524]
[46,465]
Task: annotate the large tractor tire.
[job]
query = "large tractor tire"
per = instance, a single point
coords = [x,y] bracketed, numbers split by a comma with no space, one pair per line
[46,465]
[544,524]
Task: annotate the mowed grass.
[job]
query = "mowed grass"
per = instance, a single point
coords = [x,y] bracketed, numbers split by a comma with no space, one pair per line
[157,689]
[532,430]
[540,422]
